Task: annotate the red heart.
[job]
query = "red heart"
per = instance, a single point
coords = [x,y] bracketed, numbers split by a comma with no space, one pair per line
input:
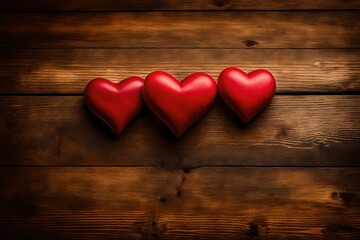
[246,94]
[179,104]
[116,104]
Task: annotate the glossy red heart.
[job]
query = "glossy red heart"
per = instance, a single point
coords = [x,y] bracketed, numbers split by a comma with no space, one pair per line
[246,94]
[179,104]
[115,103]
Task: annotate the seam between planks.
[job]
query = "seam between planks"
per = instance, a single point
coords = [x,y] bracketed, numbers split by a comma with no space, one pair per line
[173,10]
[185,169]
[35,94]
[165,48]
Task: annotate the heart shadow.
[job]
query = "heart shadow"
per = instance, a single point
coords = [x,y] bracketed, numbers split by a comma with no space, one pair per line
[99,124]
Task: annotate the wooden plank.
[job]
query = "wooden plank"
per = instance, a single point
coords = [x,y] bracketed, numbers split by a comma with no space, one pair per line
[207,203]
[292,131]
[140,5]
[259,29]
[69,70]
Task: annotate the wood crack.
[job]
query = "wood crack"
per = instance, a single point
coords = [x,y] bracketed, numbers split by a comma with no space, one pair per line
[179,192]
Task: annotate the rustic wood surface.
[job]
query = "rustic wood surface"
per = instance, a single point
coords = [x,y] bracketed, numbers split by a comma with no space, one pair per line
[292,131]
[222,203]
[291,173]
[145,5]
[262,29]
[68,70]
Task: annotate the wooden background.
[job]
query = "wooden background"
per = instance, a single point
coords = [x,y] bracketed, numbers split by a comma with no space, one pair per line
[292,173]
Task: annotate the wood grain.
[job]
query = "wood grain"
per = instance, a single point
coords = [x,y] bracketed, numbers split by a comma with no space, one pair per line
[207,203]
[291,173]
[274,29]
[69,70]
[292,131]
[125,5]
